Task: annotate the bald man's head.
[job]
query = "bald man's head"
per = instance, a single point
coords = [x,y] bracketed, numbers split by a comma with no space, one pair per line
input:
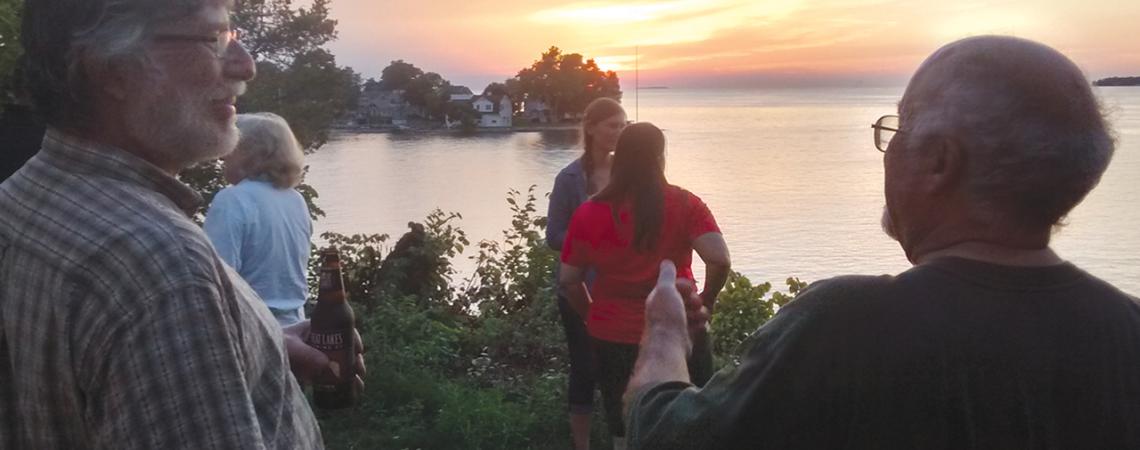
[1032,131]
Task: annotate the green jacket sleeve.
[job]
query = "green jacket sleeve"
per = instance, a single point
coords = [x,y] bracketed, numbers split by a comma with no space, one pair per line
[788,385]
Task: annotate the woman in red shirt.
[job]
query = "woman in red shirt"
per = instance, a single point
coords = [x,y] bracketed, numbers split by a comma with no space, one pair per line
[623,233]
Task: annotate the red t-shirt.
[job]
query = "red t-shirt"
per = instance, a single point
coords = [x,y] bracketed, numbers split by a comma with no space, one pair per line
[624,275]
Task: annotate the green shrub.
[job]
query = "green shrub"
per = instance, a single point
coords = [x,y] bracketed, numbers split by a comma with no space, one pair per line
[512,294]
[481,366]
[740,309]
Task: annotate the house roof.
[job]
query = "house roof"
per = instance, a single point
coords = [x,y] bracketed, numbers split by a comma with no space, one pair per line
[459,90]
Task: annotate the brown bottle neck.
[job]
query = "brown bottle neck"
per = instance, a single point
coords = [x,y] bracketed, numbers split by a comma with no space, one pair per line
[331,288]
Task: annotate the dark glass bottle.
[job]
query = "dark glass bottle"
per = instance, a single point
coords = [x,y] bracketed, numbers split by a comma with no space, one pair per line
[331,332]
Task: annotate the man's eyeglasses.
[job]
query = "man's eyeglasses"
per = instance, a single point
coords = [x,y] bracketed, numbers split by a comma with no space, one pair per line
[885,129]
[219,44]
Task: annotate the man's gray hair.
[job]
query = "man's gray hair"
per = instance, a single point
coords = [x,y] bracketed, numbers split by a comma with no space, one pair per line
[269,150]
[1035,139]
[66,40]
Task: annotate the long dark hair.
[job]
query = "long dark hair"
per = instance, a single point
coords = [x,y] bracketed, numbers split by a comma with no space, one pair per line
[600,109]
[638,178]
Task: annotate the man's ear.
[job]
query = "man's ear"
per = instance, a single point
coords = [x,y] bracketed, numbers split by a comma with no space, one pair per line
[111,79]
[944,165]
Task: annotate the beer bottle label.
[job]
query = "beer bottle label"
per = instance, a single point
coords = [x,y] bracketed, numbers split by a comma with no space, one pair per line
[337,345]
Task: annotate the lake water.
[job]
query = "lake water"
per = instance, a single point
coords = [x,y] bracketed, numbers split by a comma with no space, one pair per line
[791,175]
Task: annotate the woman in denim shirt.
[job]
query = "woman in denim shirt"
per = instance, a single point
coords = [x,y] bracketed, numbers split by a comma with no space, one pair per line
[603,122]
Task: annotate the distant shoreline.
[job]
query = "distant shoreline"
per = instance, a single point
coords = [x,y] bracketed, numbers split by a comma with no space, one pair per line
[1117,82]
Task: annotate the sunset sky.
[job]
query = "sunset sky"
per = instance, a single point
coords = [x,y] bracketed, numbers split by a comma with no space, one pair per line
[702,43]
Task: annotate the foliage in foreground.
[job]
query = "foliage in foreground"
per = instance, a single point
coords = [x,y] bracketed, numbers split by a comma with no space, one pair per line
[479,364]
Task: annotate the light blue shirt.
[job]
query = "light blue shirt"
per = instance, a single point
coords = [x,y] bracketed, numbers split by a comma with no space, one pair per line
[264,234]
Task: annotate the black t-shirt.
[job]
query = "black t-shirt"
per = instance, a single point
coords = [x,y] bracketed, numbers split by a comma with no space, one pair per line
[953,354]
[20,137]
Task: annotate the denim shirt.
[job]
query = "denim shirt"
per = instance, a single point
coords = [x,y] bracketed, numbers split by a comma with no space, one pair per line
[569,192]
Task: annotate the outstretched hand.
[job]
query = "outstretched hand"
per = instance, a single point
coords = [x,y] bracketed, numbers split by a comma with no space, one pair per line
[674,306]
[673,313]
[307,362]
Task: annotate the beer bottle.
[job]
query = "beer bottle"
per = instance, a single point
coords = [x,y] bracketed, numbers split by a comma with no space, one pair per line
[331,331]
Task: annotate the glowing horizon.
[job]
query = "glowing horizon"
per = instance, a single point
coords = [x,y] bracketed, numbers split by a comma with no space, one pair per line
[695,42]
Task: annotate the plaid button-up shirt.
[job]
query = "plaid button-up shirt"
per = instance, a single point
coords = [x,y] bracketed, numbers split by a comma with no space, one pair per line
[120,327]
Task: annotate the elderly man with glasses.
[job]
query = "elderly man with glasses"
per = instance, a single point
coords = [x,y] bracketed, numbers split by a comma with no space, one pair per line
[991,340]
[120,327]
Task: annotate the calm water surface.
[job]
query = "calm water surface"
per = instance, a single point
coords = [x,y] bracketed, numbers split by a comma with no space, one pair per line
[791,176]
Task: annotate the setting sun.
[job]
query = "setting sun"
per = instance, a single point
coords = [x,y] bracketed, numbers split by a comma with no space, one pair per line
[618,63]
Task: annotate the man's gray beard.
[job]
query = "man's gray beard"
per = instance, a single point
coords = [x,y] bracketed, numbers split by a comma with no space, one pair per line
[888,224]
[173,130]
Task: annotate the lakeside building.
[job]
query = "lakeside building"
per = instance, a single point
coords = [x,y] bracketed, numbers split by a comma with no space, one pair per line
[537,112]
[383,107]
[495,111]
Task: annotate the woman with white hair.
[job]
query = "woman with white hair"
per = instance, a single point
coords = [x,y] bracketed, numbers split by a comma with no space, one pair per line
[261,225]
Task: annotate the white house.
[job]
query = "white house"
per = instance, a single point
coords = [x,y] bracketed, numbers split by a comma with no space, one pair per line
[495,111]
[483,104]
